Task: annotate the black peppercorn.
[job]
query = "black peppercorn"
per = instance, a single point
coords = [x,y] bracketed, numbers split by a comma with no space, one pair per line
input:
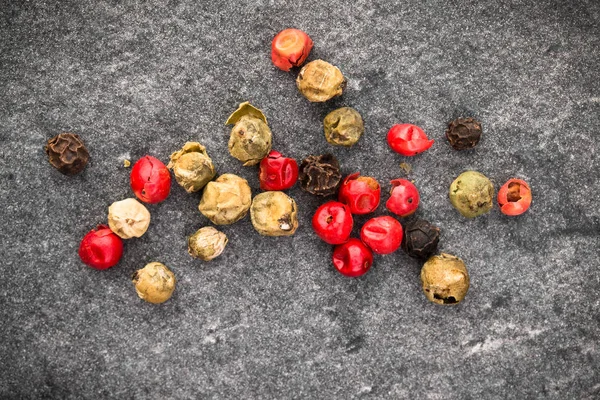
[463,133]
[320,175]
[67,153]
[420,239]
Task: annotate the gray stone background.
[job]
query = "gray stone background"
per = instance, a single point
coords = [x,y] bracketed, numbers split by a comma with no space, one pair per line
[271,318]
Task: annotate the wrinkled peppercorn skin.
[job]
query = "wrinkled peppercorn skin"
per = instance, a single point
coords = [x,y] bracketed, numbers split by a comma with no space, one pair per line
[67,153]
[320,175]
[101,248]
[154,283]
[420,239]
[343,127]
[274,214]
[463,133]
[320,81]
[472,194]
[445,279]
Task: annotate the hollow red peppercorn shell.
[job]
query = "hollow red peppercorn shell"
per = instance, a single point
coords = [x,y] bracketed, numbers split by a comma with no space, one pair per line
[404,198]
[382,234]
[408,139]
[360,193]
[101,248]
[514,197]
[277,172]
[290,48]
[333,222]
[150,180]
[352,258]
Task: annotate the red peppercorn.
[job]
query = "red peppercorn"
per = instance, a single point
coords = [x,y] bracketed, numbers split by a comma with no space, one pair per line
[404,198]
[333,222]
[290,48]
[101,248]
[150,180]
[352,258]
[360,193]
[382,234]
[408,139]
[277,172]
[514,197]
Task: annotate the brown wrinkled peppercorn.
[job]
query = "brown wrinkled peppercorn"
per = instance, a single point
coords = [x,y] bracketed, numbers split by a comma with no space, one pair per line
[420,239]
[320,175]
[274,214]
[320,81]
[154,283]
[463,133]
[67,153]
[226,200]
[207,243]
[250,138]
[192,167]
[343,127]
[445,279]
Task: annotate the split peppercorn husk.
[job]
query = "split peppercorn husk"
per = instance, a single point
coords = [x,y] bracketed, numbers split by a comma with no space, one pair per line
[128,218]
[320,81]
[250,139]
[445,279]
[192,167]
[420,239]
[207,243]
[472,194]
[463,133]
[154,283]
[226,200]
[274,214]
[67,153]
[320,175]
[343,127]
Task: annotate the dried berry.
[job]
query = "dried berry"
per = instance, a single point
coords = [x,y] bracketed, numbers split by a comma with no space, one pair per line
[150,180]
[514,197]
[320,175]
[274,214]
[226,200]
[333,222]
[128,218]
[290,48]
[352,258]
[192,167]
[404,198]
[463,133]
[250,139]
[408,139]
[207,243]
[101,248]
[360,193]
[420,239]
[445,279]
[472,194]
[277,172]
[154,283]
[67,153]
[382,234]
[343,127]
[320,81]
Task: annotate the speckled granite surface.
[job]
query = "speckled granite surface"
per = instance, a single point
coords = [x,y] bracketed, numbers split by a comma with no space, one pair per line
[271,318]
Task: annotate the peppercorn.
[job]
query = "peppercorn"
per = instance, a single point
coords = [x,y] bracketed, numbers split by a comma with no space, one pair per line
[320,175]
[352,258]
[333,222]
[226,200]
[360,193]
[277,172]
[320,81]
[514,197]
[250,139]
[101,248]
[67,153]
[408,139]
[274,214]
[420,239]
[445,279]
[382,234]
[404,198]
[343,127]
[128,218]
[290,48]
[150,180]
[154,283]
[472,194]
[463,133]
[207,243]
[192,167]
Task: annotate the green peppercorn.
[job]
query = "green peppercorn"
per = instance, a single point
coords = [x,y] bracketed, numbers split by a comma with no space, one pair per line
[445,279]
[192,167]
[226,200]
[320,81]
[250,139]
[274,214]
[472,194]
[207,243]
[154,283]
[343,127]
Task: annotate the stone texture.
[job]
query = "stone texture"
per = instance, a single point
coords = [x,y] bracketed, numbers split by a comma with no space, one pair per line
[270,318]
